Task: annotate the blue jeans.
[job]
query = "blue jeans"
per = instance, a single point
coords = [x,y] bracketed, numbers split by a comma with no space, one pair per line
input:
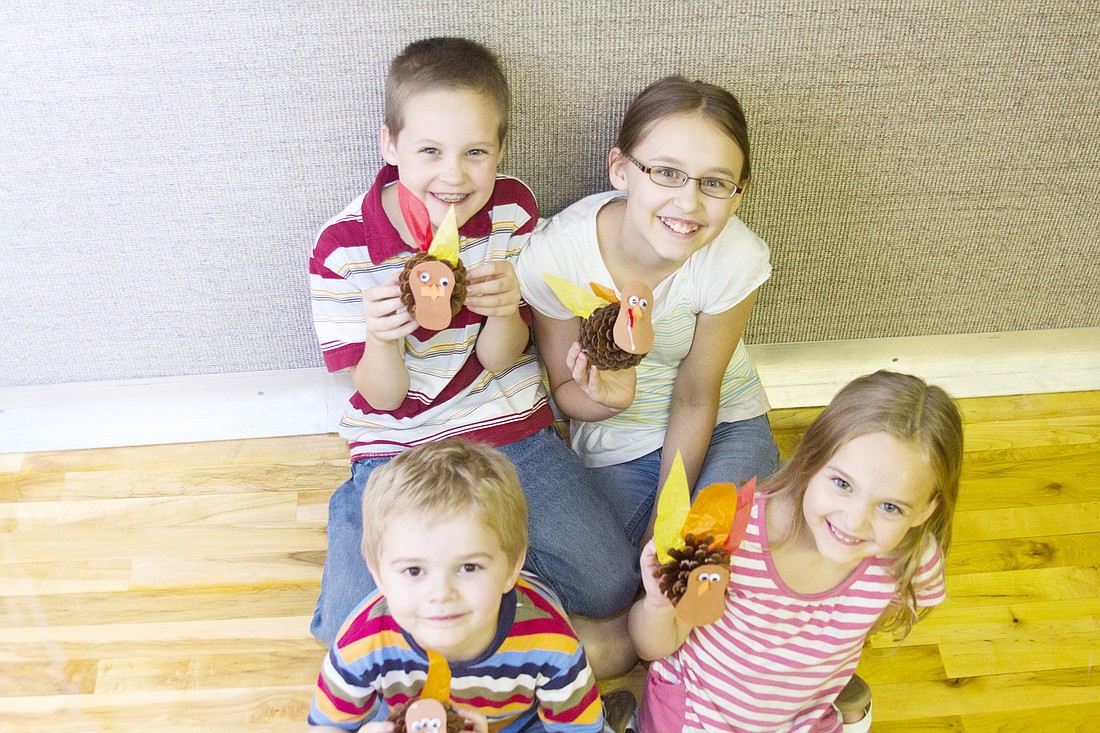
[737,452]
[576,542]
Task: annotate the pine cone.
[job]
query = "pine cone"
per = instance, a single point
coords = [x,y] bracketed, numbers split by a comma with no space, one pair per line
[455,724]
[695,552]
[598,341]
[458,295]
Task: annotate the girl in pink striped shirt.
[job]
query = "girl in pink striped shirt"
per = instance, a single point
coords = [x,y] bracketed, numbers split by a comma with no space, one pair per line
[847,538]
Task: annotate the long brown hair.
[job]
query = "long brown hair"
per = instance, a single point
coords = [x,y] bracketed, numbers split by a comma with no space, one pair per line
[674,95]
[912,411]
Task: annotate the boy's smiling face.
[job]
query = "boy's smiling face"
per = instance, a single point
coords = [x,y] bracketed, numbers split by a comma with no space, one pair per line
[443,581]
[448,151]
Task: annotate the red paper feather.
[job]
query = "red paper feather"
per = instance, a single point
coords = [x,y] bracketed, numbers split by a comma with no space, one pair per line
[741,515]
[416,216]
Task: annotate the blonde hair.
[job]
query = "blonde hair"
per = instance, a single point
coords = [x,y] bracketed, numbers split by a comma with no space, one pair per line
[912,411]
[439,480]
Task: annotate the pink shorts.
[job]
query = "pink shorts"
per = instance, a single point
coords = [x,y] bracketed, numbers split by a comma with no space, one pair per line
[663,705]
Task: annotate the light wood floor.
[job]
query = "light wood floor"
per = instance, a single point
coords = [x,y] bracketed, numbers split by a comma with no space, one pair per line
[169,587]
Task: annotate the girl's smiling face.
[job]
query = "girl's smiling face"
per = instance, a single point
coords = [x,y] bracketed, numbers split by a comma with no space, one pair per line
[665,226]
[865,499]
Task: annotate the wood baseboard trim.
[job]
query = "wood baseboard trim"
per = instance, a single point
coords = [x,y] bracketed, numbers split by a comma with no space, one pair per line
[309,401]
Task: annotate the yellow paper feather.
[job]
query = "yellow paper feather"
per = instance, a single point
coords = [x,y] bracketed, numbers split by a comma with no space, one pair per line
[438,684]
[445,242]
[578,300]
[712,512]
[673,506]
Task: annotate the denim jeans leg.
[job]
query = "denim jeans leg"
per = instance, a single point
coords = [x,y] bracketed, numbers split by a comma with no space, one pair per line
[577,544]
[738,451]
[345,581]
[631,489]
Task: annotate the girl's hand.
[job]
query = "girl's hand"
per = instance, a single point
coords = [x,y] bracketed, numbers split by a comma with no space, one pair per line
[493,289]
[475,721]
[614,389]
[386,318]
[653,595]
[383,727]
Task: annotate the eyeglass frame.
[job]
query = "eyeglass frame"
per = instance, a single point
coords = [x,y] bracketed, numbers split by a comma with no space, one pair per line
[648,170]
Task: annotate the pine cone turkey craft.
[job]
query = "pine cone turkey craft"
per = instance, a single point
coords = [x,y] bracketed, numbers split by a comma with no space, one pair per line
[694,543]
[433,282]
[616,333]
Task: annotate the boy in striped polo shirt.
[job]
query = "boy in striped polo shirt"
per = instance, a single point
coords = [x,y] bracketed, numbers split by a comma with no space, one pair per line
[445,535]
[442,139]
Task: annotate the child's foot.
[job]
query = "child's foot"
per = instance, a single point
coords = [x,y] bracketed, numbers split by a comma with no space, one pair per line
[619,708]
[854,704]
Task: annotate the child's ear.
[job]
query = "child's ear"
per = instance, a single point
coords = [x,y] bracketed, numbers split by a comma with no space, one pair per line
[927,512]
[374,574]
[387,143]
[616,168]
[740,195]
[514,577]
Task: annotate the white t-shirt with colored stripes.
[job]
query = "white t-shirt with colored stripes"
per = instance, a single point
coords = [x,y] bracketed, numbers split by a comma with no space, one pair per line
[777,659]
[450,393]
[712,280]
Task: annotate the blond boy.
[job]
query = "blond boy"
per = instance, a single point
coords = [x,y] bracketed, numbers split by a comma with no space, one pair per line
[445,537]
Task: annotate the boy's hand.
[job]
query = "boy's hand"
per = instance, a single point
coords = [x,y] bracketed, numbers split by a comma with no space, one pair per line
[613,389]
[387,320]
[475,721]
[649,566]
[493,289]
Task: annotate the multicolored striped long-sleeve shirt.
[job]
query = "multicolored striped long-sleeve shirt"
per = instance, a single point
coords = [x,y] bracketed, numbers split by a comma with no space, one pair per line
[534,667]
[777,659]
[450,393]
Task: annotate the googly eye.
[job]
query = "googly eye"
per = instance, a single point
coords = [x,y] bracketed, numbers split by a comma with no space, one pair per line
[633,300]
[444,281]
[416,725]
[644,303]
[425,277]
[435,724]
[715,577]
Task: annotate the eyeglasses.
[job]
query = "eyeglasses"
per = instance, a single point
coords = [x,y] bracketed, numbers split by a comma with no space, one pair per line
[716,188]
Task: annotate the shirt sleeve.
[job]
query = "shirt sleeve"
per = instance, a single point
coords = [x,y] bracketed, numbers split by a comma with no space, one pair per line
[929,578]
[729,269]
[546,254]
[569,700]
[336,302]
[340,699]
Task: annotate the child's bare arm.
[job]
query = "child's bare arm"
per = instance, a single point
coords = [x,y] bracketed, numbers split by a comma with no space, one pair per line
[580,390]
[493,292]
[381,376]
[654,629]
[698,386]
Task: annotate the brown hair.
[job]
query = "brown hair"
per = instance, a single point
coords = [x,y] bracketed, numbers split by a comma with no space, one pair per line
[444,63]
[439,480]
[675,95]
[910,410]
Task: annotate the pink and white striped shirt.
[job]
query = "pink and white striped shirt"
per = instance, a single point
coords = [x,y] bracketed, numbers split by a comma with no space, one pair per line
[777,659]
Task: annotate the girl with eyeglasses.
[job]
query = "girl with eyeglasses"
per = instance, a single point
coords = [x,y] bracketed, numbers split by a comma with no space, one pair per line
[679,170]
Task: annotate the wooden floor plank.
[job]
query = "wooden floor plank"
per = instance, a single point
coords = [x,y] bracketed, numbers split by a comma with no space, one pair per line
[1031,521]
[197,481]
[975,658]
[193,541]
[1024,553]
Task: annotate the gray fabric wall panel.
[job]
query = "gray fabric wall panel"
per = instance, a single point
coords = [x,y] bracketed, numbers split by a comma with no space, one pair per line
[919,167]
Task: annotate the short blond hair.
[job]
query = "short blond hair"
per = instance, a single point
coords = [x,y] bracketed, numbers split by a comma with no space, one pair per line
[438,480]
